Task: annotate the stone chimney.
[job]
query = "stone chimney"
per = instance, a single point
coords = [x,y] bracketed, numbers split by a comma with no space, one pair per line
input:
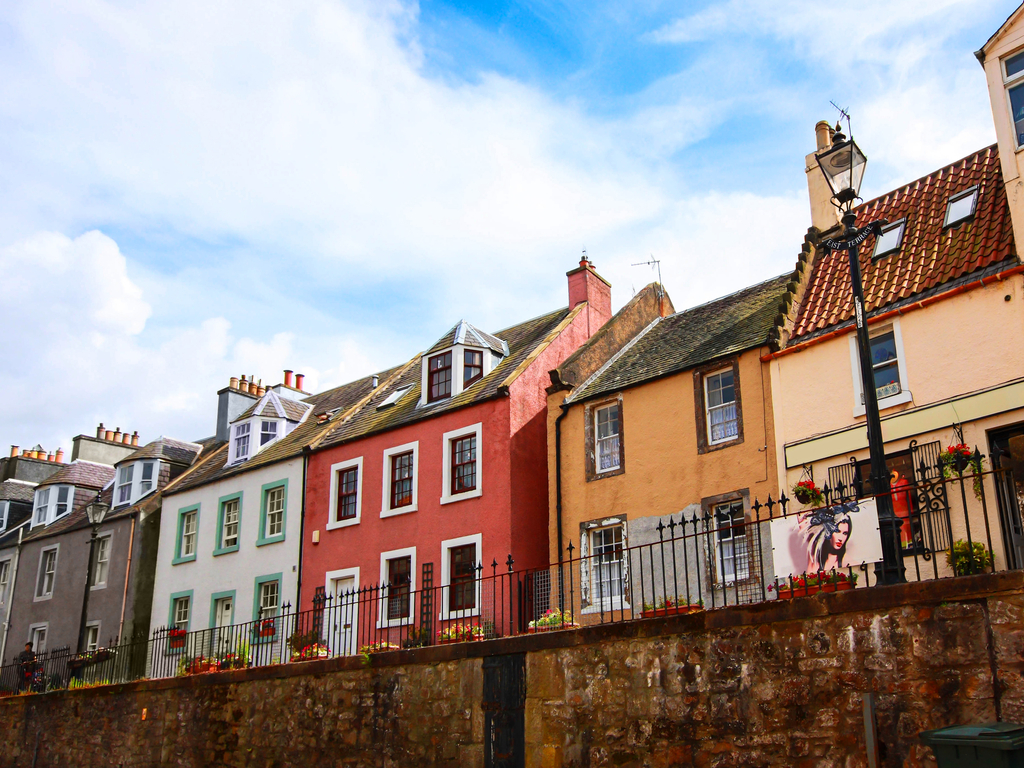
[232,402]
[824,215]
[586,285]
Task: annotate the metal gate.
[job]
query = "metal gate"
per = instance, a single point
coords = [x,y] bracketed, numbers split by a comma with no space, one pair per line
[1009,509]
[504,703]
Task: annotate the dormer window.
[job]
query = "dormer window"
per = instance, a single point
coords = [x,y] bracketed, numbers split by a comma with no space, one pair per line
[124,484]
[241,441]
[148,471]
[440,377]
[1013,77]
[52,503]
[268,432]
[961,206]
[472,367]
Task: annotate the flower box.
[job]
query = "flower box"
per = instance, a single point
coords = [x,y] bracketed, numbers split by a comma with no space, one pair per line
[267,629]
[449,640]
[177,642]
[651,613]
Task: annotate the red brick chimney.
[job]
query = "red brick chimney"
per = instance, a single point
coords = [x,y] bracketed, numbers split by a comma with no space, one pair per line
[586,285]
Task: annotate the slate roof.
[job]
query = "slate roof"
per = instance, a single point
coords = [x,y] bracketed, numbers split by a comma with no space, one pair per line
[931,256]
[464,333]
[293,411]
[522,340]
[76,519]
[690,338]
[175,451]
[17,490]
[81,474]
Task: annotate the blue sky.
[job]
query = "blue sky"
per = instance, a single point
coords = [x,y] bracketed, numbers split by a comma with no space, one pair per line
[202,190]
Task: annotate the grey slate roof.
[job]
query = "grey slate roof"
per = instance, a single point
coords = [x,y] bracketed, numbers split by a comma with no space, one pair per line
[293,411]
[17,490]
[81,474]
[174,451]
[690,338]
[464,333]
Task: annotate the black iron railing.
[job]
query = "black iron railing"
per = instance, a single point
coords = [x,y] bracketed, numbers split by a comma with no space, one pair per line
[950,524]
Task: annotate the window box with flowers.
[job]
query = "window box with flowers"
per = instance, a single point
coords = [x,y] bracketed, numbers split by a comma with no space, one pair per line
[266,628]
[378,647]
[459,633]
[670,606]
[552,620]
[311,652]
[812,583]
[176,638]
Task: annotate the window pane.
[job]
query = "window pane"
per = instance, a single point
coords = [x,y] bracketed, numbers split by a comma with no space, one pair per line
[401,480]
[731,534]
[181,612]
[464,464]
[1014,65]
[270,593]
[723,422]
[269,432]
[188,534]
[440,379]
[147,470]
[101,562]
[472,366]
[229,533]
[399,583]
[889,240]
[607,428]
[348,486]
[720,388]
[462,573]
[275,512]
[883,348]
[960,208]
[608,572]
[1017,109]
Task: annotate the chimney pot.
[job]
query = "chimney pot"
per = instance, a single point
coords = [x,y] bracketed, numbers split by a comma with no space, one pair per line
[298,381]
[253,389]
[108,435]
[288,377]
[117,435]
[14,451]
[99,431]
[59,457]
[374,381]
[261,391]
[823,133]
[49,457]
[135,437]
[233,383]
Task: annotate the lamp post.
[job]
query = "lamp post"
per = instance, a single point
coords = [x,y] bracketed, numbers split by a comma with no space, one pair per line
[96,512]
[843,165]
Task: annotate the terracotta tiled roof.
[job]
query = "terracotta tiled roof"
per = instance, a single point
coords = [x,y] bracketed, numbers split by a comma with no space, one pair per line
[930,255]
[81,474]
[690,338]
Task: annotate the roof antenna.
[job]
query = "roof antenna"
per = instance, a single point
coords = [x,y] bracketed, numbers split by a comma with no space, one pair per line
[654,263]
[843,114]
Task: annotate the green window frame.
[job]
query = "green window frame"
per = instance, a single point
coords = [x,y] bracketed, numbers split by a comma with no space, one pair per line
[263,539]
[258,625]
[217,548]
[213,606]
[175,596]
[178,558]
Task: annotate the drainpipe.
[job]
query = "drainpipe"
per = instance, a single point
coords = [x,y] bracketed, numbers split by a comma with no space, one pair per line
[127,575]
[302,529]
[10,595]
[558,497]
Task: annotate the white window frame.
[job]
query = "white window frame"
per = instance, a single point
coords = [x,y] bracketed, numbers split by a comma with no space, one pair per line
[184,533]
[720,579]
[447,497]
[386,510]
[5,507]
[32,630]
[124,484]
[905,395]
[974,192]
[37,597]
[278,431]
[900,227]
[490,362]
[36,519]
[91,625]
[52,499]
[597,438]
[1009,83]
[5,582]
[140,492]
[446,546]
[174,612]
[236,429]
[338,614]
[109,539]
[383,621]
[610,602]
[707,405]
[333,522]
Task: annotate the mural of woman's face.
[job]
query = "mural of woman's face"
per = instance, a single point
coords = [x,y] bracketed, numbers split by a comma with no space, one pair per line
[840,536]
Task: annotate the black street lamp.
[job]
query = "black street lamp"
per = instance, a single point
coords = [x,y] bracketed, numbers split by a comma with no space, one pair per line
[95,511]
[843,165]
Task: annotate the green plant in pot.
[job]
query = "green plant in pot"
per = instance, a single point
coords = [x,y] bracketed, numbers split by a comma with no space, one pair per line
[966,560]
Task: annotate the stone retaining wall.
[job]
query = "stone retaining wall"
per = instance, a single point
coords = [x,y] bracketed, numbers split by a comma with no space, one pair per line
[779,684]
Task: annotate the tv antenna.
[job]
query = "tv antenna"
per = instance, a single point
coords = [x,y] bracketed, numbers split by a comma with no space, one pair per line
[654,264]
[844,114]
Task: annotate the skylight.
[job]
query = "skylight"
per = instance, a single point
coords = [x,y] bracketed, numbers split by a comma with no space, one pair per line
[890,240]
[394,397]
[961,206]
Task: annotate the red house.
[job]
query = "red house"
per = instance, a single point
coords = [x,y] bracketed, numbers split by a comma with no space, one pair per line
[441,471]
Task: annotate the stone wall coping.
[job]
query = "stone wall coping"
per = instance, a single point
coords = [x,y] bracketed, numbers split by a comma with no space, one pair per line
[961,589]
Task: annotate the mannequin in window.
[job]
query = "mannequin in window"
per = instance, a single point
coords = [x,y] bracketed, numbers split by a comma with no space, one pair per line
[901,506]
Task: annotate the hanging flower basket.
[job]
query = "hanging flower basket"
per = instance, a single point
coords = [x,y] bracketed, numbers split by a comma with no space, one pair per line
[808,494]
[957,458]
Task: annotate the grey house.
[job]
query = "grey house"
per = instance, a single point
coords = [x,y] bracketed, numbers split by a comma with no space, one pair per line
[53,562]
[15,510]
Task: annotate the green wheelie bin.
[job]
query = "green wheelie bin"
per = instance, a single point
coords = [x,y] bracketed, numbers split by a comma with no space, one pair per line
[991,745]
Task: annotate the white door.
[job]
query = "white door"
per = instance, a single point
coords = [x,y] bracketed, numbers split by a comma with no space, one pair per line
[344,616]
[223,613]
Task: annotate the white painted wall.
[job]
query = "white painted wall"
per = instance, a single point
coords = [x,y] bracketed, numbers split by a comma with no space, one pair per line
[209,574]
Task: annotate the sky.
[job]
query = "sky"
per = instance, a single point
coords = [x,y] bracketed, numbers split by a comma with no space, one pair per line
[191,191]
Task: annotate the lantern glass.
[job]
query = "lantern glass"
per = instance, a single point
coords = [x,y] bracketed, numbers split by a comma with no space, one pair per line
[843,166]
[96,511]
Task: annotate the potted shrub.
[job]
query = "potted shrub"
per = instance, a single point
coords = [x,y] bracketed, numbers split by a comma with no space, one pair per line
[957,458]
[197,666]
[378,647]
[966,560]
[176,637]
[669,605]
[310,652]
[459,633]
[553,619]
[808,494]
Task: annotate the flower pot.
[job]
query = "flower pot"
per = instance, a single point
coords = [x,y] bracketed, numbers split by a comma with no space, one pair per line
[785,593]
[177,642]
[650,613]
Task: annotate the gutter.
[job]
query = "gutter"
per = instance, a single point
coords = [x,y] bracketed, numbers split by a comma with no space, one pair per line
[980,283]
[14,583]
